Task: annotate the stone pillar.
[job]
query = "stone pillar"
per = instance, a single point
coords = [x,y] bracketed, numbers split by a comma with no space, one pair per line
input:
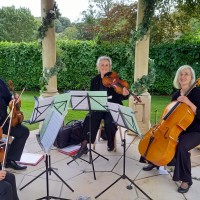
[49,50]
[143,109]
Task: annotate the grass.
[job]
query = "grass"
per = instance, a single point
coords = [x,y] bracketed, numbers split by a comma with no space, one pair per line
[158,104]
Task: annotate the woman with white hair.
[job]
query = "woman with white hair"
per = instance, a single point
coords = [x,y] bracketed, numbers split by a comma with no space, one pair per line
[104,65]
[190,138]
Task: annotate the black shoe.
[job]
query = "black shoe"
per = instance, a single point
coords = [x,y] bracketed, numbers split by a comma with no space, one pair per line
[81,151]
[182,190]
[110,148]
[12,164]
[149,167]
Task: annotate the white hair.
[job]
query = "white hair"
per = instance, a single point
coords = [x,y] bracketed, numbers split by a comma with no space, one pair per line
[104,58]
[180,69]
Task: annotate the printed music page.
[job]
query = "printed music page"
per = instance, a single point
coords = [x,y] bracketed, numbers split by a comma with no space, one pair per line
[84,100]
[52,127]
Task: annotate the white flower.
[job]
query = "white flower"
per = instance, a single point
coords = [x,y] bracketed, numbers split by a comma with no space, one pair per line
[52,12]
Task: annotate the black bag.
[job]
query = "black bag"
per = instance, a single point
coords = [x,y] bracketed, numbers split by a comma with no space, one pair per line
[69,134]
[76,134]
[63,138]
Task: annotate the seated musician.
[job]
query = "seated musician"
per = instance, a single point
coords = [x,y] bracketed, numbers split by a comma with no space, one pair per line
[104,65]
[8,190]
[190,138]
[19,132]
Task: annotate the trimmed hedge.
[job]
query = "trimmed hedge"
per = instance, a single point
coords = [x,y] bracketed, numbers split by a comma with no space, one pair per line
[22,63]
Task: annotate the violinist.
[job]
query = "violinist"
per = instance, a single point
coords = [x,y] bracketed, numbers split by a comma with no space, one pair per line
[104,65]
[190,138]
[8,190]
[19,132]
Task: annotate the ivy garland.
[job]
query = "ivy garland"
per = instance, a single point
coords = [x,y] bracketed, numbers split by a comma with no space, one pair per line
[142,84]
[146,81]
[47,22]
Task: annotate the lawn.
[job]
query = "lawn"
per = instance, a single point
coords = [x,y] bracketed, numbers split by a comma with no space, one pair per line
[158,103]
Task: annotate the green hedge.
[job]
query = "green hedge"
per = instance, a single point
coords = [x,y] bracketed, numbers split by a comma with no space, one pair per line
[22,63]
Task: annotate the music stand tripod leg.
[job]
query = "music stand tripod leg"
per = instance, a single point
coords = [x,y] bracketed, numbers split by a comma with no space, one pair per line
[90,150]
[124,176]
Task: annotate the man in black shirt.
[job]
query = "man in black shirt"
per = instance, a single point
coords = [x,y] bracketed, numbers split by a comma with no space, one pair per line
[19,132]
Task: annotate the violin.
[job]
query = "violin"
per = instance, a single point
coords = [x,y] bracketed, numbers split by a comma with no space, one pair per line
[111,79]
[18,116]
[159,144]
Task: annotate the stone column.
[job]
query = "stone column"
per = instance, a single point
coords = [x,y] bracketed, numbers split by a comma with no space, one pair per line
[49,50]
[143,109]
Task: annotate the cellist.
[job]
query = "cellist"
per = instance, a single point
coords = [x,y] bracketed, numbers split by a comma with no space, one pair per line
[190,138]
[19,132]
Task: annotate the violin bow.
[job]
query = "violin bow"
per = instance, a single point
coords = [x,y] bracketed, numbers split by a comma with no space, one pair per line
[8,135]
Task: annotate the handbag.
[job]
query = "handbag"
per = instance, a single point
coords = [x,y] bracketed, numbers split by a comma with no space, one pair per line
[69,134]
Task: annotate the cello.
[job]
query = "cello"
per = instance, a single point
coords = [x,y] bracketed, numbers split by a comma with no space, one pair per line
[158,145]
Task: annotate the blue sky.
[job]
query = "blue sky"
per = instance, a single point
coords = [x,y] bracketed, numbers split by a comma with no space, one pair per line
[68,8]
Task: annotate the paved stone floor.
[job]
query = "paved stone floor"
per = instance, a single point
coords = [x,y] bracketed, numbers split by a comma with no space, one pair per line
[79,176]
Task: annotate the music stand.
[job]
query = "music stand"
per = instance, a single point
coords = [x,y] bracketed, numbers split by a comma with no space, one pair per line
[90,101]
[124,117]
[40,109]
[48,133]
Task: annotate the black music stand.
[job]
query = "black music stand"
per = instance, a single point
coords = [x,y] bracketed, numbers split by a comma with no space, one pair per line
[124,117]
[40,109]
[52,123]
[90,101]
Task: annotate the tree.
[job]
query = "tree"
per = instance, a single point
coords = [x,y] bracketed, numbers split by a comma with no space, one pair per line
[104,6]
[117,26]
[17,25]
[169,26]
[70,33]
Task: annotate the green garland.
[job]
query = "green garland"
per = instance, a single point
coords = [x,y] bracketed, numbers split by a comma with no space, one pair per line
[143,84]
[146,81]
[47,22]
[49,72]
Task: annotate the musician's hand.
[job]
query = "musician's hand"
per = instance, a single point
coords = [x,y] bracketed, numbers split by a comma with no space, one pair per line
[184,99]
[2,175]
[125,91]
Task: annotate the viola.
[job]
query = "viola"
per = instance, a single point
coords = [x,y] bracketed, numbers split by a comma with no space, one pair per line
[158,145]
[111,79]
[17,117]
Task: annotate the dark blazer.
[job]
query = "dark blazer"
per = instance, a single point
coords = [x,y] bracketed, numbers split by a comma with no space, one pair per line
[97,85]
[5,98]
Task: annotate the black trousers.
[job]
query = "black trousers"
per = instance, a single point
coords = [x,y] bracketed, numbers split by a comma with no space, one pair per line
[109,126]
[182,161]
[8,190]
[20,134]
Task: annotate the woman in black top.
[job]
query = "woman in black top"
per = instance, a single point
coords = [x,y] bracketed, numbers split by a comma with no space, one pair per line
[19,132]
[190,138]
[104,65]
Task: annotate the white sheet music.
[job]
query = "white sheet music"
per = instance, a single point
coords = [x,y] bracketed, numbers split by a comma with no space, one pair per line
[97,100]
[51,131]
[128,121]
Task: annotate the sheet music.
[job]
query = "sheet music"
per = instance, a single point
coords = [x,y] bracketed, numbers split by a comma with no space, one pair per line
[97,100]
[54,124]
[40,109]
[128,121]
